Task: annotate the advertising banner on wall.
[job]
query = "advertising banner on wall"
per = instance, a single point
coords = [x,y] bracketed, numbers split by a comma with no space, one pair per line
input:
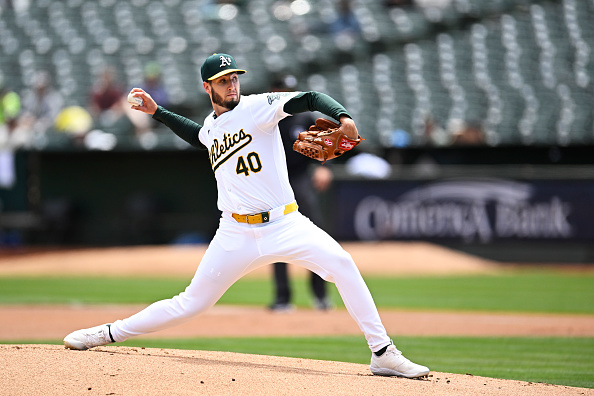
[466,210]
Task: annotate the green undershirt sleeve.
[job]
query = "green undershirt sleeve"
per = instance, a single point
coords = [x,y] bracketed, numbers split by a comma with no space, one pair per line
[181,126]
[315,101]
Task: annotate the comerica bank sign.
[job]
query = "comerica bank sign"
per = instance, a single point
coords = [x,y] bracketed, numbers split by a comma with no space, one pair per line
[472,211]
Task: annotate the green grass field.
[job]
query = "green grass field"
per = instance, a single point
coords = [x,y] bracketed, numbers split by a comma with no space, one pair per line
[564,361]
[540,291]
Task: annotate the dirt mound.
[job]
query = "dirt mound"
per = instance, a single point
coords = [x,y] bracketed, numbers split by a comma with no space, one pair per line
[54,322]
[53,370]
[372,258]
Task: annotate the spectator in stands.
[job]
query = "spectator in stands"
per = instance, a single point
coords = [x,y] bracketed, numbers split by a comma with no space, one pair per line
[467,133]
[153,85]
[435,135]
[72,126]
[345,28]
[108,104]
[346,21]
[40,105]
[10,107]
[458,132]
[306,186]
[106,95]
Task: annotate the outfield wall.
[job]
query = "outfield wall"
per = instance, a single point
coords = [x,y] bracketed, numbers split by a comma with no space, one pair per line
[509,213]
[538,210]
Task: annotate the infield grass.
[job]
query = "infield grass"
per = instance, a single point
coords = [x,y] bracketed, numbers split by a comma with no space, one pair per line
[538,291]
[563,361]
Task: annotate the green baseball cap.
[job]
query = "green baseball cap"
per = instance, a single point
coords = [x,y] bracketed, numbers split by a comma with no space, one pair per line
[218,65]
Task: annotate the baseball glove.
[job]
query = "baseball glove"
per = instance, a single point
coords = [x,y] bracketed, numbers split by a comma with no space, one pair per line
[324,140]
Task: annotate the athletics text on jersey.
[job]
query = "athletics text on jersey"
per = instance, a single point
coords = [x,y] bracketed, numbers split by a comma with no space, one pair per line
[247,155]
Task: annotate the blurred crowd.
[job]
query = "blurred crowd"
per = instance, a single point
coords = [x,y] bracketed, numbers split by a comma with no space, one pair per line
[40,117]
[30,118]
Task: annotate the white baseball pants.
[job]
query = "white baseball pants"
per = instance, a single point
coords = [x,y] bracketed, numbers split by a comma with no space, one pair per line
[238,248]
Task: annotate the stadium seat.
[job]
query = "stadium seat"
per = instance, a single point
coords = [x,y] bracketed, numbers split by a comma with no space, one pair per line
[524,69]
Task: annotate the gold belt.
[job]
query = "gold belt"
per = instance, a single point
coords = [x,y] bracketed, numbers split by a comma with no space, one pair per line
[263,217]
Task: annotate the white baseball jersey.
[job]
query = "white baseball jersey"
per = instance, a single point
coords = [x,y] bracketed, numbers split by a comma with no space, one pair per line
[248,160]
[247,155]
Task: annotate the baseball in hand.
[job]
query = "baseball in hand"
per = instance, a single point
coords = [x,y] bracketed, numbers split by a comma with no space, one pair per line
[134,101]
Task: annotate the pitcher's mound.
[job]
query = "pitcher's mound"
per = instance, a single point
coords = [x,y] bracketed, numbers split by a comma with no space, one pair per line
[110,370]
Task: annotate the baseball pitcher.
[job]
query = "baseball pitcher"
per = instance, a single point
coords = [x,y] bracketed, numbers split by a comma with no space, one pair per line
[260,222]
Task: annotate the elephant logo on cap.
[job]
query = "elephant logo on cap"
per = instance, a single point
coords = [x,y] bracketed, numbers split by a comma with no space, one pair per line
[225,61]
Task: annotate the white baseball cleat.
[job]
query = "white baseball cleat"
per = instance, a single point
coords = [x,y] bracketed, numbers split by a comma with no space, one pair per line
[89,338]
[392,363]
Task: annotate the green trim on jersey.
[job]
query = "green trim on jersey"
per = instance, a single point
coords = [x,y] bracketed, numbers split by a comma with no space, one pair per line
[304,101]
[315,101]
[181,126]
